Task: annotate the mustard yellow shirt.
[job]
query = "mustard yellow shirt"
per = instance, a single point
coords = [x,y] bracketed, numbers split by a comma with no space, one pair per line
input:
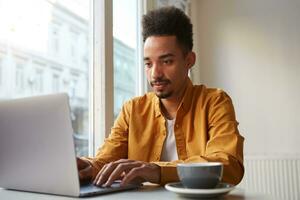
[205,130]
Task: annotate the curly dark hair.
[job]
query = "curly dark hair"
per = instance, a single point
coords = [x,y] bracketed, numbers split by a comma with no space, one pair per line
[169,21]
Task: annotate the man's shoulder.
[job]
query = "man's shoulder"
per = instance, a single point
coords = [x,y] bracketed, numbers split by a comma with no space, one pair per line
[207,91]
[209,94]
[215,91]
[146,99]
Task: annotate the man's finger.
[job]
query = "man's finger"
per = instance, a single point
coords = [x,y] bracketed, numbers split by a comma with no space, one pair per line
[106,170]
[137,174]
[85,175]
[99,174]
[124,161]
[81,164]
[105,173]
[118,171]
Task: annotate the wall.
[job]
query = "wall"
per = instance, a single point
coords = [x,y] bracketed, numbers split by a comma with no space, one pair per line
[251,49]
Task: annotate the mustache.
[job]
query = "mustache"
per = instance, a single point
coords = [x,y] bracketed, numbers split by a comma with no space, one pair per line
[160,81]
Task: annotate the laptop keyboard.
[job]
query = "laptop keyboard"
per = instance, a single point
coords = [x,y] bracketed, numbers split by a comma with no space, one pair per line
[90,189]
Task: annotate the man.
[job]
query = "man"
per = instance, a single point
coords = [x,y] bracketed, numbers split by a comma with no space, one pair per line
[177,122]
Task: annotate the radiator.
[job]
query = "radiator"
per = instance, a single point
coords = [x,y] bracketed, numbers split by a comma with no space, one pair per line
[278,176]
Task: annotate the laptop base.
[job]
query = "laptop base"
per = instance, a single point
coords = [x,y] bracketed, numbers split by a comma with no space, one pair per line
[91,190]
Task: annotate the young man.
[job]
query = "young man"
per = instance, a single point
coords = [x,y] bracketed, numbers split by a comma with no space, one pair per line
[177,122]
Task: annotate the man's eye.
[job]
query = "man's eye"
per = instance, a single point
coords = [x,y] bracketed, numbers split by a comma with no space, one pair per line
[167,62]
[148,65]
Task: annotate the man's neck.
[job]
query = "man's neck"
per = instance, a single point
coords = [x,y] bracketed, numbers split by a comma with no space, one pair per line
[169,106]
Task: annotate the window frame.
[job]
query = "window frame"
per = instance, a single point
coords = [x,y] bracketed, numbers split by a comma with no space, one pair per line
[101,74]
[101,92]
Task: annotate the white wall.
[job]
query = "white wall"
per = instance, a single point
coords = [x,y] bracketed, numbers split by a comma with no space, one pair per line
[251,49]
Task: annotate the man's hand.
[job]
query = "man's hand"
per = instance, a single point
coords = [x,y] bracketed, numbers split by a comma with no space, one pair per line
[85,171]
[128,171]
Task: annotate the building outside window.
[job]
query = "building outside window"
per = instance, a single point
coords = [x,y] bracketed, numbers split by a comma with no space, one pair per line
[1,71]
[60,35]
[55,83]
[55,39]
[73,85]
[39,80]
[40,30]
[20,77]
[74,45]
[125,20]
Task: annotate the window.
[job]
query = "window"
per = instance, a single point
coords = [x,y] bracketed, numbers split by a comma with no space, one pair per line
[20,79]
[1,72]
[125,20]
[73,85]
[41,29]
[55,39]
[181,4]
[47,37]
[39,80]
[55,83]
[74,45]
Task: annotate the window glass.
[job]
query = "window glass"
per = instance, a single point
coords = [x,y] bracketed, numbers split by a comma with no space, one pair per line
[181,4]
[43,43]
[20,82]
[39,80]
[125,23]
[54,41]
[1,71]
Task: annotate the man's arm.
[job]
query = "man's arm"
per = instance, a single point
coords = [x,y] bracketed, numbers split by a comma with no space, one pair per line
[115,147]
[111,161]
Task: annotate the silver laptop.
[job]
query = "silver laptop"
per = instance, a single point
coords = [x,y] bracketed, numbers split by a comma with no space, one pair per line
[37,148]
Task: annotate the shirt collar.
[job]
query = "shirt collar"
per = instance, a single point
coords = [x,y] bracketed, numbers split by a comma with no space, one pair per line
[187,97]
[185,103]
[157,106]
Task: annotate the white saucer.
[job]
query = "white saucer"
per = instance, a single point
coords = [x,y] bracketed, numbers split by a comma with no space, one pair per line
[219,190]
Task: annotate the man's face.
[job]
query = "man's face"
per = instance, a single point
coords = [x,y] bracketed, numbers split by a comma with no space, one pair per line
[166,66]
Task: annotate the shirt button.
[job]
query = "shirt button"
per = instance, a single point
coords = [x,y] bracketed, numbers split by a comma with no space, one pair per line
[176,125]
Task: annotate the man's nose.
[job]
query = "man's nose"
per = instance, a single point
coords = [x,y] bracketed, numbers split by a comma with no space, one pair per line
[157,71]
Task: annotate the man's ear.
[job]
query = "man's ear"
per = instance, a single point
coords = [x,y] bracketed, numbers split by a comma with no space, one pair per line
[191,59]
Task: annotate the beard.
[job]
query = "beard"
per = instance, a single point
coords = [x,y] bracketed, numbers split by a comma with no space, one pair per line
[164,95]
[160,93]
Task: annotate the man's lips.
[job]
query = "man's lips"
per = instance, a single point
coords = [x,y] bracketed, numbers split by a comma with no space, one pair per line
[159,84]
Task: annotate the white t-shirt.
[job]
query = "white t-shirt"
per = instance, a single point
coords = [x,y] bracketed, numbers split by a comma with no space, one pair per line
[169,151]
